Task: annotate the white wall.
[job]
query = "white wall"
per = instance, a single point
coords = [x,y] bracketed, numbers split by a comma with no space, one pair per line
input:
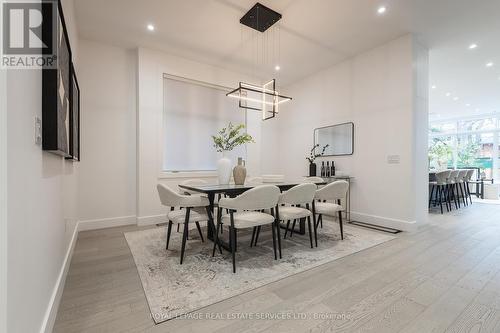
[151,67]
[41,212]
[107,192]
[3,200]
[420,129]
[375,90]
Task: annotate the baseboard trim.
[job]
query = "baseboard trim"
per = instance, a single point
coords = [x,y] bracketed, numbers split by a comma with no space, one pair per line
[106,223]
[150,220]
[384,221]
[51,313]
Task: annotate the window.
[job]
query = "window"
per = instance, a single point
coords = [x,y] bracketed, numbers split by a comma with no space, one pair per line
[193,112]
[463,143]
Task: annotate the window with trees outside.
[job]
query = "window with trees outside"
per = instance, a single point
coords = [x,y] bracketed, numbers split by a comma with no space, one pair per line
[466,143]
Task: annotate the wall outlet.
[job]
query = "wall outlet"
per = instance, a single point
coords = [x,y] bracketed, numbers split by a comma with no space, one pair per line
[38,131]
[393,159]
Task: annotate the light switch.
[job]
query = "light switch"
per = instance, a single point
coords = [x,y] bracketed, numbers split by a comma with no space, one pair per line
[38,131]
[393,159]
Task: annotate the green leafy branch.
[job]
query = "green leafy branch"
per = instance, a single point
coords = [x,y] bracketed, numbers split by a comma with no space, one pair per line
[230,137]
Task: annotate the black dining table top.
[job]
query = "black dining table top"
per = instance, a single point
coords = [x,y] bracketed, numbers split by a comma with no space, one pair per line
[221,188]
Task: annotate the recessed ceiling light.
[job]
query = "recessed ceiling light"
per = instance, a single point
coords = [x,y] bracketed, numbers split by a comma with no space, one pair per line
[277,67]
[467,105]
[381,10]
[433,87]
[489,64]
[472,46]
[151,27]
[448,94]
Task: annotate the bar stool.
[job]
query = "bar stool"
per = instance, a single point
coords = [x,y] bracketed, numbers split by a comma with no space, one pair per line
[452,185]
[441,186]
[468,177]
[462,174]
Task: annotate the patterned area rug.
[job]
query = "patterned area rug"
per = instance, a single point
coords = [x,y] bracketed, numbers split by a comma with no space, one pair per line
[173,289]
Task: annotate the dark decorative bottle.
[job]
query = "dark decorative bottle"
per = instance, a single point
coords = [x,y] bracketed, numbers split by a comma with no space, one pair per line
[312,169]
[332,172]
[322,169]
[327,174]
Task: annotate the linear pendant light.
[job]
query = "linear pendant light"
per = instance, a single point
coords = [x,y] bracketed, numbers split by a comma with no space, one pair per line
[263,98]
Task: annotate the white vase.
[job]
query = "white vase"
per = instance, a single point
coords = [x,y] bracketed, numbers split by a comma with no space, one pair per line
[224,169]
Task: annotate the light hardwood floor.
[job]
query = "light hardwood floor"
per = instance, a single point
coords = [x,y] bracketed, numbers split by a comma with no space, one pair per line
[443,278]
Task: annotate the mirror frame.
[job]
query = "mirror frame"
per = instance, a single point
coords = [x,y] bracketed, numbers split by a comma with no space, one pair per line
[352,138]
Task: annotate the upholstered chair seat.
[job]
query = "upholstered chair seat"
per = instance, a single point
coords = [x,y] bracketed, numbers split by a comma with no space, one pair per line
[179,216]
[248,219]
[290,213]
[328,208]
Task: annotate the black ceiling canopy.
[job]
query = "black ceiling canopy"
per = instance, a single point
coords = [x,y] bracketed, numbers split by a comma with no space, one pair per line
[260,17]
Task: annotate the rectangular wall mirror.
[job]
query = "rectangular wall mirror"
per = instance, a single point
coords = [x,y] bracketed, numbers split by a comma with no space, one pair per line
[339,138]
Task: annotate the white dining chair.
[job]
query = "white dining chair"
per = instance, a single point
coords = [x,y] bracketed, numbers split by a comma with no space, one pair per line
[313,180]
[254,180]
[246,211]
[334,192]
[294,199]
[185,215]
[191,182]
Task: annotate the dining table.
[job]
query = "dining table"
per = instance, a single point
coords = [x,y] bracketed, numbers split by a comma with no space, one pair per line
[232,190]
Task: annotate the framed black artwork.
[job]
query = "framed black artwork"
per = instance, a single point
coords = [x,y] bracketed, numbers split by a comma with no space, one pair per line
[74,138]
[56,98]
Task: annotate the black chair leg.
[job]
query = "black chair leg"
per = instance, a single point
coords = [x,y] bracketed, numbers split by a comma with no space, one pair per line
[440,198]
[199,231]
[310,231]
[341,223]
[216,236]
[257,235]
[317,223]
[216,239]
[462,193]
[169,231]
[253,236]
[446,199]
[287,227]
[457,205]
[468,192]
[430,196]
[278,235]
[315,230]
[232,240]
[293,228]
[184,234]
[274,241]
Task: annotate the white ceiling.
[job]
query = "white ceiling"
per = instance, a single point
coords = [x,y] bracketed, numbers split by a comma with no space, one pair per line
[315,34]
